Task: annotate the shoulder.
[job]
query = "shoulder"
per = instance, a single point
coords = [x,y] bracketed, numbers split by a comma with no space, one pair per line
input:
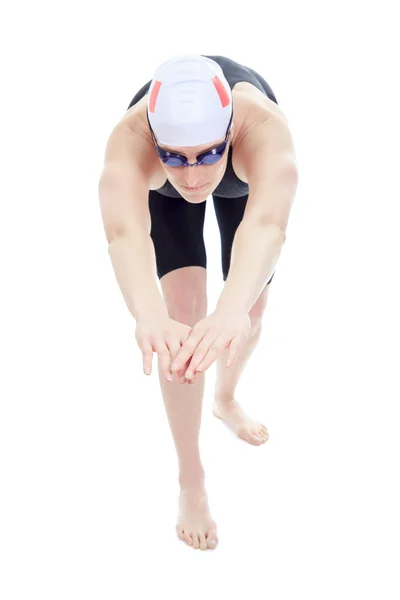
[134,126]
[261,124]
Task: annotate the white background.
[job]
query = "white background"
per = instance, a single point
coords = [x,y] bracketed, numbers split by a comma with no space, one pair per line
[88,470]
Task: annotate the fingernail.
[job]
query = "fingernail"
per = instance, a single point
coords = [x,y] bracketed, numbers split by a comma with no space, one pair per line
[175,367]
[169,377]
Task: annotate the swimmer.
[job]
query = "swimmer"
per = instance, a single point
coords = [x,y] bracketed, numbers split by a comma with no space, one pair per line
[202,126]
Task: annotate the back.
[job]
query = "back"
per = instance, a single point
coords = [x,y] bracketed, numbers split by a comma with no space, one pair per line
[124,184]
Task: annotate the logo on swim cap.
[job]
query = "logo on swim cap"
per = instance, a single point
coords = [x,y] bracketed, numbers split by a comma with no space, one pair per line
[189,101]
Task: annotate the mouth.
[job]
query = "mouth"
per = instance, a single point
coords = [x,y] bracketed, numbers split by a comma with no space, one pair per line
[194,189]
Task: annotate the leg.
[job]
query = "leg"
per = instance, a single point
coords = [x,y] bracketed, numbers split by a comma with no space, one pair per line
[227,379]
[185,295]
[184,291]
[177,234]
[225,406]
[229,213]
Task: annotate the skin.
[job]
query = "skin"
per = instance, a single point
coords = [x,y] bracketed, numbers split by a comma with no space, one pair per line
[208,175]
[184,292]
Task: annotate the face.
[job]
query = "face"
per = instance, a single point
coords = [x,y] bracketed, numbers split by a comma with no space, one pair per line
[205,177]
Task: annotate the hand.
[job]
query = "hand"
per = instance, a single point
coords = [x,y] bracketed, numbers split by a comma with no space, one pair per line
[210,337]
[159,333]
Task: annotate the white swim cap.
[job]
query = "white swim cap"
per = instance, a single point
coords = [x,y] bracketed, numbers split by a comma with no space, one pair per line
[189,101]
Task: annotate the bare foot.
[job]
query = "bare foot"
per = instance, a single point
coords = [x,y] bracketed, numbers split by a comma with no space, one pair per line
[195,525]
[227,409]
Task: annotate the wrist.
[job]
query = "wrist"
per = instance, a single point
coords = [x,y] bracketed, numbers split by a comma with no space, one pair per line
[227,308]
[151,312]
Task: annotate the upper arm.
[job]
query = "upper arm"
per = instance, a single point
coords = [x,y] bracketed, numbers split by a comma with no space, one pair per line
[269,163]
[124,182]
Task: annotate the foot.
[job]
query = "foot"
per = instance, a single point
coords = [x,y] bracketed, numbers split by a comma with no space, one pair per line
[227,409]
[195,525]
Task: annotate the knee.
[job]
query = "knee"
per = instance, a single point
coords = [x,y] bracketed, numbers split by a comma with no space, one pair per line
[185,294]
[188,310]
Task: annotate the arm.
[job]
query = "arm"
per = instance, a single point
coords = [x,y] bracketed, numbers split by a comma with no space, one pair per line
[268,158]
[123,194]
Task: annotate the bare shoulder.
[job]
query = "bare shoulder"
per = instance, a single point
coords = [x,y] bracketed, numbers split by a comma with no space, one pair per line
[256,116]
[130,144]
[252,107]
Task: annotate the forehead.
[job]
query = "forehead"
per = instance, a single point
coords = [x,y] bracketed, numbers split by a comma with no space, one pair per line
[192,149]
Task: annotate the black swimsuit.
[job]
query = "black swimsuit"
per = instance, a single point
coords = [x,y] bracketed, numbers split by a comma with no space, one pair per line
[176,224]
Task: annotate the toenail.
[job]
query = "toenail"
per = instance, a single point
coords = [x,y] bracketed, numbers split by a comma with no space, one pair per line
[211,543]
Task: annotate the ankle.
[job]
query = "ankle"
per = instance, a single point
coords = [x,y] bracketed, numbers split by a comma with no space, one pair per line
[224,396]
[192,481]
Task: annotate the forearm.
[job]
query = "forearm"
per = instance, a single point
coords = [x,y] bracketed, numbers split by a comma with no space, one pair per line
[255,253]
[133,259]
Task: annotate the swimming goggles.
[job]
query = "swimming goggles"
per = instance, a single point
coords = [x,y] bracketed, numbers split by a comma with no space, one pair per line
[178,160]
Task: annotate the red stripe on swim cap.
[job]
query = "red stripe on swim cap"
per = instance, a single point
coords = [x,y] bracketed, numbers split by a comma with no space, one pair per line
[222,93]
[154,95]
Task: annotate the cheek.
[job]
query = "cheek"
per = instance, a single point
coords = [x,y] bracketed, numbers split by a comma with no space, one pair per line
[170,172]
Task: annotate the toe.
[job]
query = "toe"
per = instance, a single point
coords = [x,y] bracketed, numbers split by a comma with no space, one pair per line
[245,434]
[257,439]
[203,542]
[212,539]
[187,539]
[195,539]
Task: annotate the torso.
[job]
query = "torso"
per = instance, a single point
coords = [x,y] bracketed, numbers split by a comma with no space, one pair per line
[250,106]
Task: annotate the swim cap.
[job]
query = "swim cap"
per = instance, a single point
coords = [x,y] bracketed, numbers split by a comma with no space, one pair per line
[189,101]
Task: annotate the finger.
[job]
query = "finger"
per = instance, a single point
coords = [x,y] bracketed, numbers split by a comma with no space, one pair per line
[147,357]
[210,343]
[213,353]
[184,369]
[202,351]
[208,360]
[233,351]
[180,375]
[174,347]
[164,361]
[186,351]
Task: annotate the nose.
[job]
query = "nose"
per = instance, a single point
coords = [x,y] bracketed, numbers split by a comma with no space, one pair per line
[192,178]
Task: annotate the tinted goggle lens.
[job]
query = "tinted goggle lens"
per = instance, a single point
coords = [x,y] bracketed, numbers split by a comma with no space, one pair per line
[172,161]
[210,159]
[207,159]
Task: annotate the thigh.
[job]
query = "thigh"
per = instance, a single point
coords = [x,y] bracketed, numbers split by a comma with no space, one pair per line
[177,232]
[229,213]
